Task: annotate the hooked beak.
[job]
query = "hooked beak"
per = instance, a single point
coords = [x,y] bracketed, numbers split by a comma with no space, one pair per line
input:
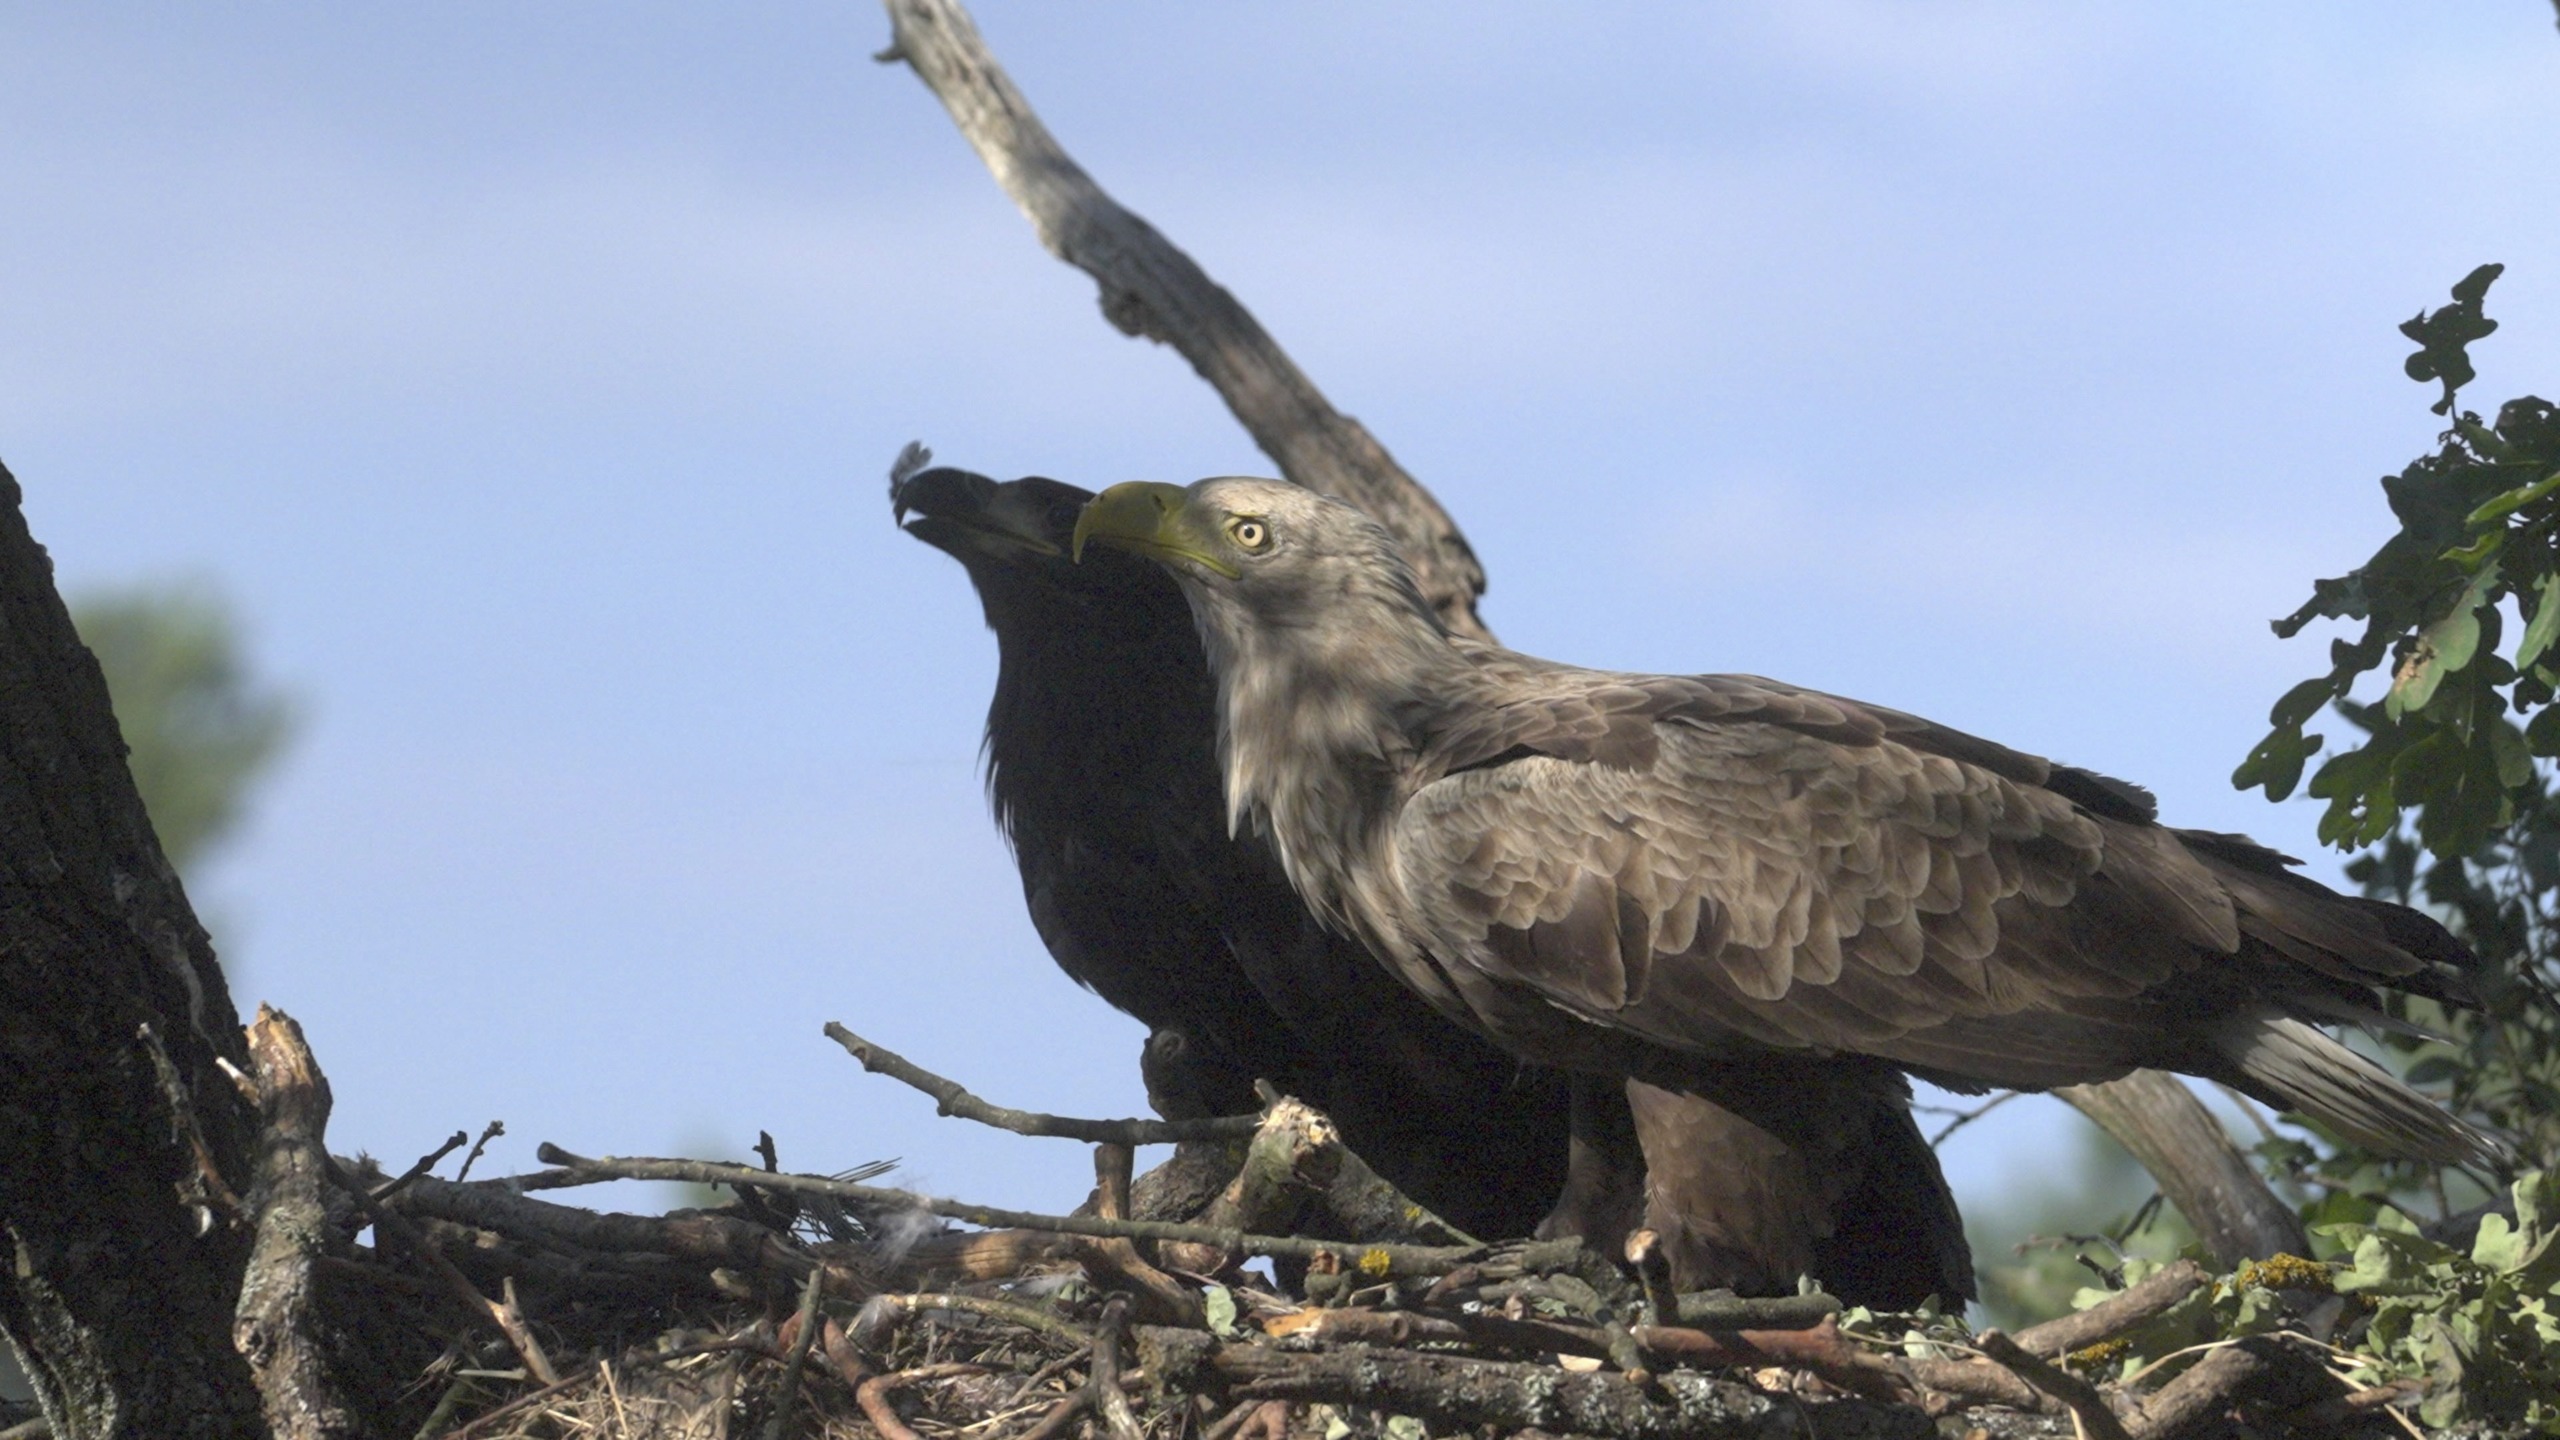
[1154,520]
[956,510]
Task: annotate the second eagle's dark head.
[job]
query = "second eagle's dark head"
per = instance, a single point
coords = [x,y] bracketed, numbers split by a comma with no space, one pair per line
[1013,536]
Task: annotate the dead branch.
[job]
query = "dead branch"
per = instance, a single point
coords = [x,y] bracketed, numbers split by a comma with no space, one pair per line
[1980,1382]
[489,1132]
[873,1396]
[2113,1316]
[500,1314]
[1102,1380]
[1151,288]
[2272,1370]
[1820,1349]
[2089,1409]
[954,1099]
[1458,1392]
[803,1339]
[1389,1259]
[882,1315]
[708,1239]
[1168,1300]
[1367,1207]
[288,1207]
[2185,1148]
[1777,1312]
[1363,1326]
[1294,1155]
[426,1163]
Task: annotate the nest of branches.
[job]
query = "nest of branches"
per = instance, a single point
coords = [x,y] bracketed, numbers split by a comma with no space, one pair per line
[825,1305]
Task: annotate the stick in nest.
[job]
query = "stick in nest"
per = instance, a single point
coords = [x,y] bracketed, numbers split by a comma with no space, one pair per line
[953,1098]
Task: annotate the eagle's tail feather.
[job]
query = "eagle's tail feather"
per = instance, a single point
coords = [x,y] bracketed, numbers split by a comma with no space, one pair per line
[2290,1063]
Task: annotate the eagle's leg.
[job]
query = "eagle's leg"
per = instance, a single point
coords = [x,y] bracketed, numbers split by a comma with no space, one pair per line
[1603,1196]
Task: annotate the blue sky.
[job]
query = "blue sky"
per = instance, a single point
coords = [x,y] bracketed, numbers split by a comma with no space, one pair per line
[528,377]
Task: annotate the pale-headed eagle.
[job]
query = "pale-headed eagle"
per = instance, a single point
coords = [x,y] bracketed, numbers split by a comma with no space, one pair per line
[1776,899]
[1102,765]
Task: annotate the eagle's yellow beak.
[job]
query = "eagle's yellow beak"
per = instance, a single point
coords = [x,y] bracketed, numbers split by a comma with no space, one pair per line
[1154,520]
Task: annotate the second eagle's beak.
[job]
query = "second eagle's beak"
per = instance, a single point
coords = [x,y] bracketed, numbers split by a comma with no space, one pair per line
[1152,519]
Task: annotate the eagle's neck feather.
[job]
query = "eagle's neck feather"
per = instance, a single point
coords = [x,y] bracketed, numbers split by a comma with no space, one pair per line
[1316,733]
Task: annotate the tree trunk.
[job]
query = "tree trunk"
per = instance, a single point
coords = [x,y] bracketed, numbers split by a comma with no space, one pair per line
[123,1145]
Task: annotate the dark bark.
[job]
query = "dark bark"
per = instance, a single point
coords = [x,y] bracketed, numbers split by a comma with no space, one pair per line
[123,1145]
[277,1328]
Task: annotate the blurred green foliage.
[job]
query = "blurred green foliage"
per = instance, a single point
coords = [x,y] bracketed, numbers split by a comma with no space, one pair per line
[199,726]
[2039,1245]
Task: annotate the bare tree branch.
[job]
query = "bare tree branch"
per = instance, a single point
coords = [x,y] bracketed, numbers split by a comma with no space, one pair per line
[1151,288]
[953,1098]
[2185,1148]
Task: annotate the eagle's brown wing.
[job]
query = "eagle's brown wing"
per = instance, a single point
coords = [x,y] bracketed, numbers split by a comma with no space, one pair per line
[1704,859]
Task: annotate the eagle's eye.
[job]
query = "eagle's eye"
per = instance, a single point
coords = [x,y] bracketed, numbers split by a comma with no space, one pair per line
[1251,536]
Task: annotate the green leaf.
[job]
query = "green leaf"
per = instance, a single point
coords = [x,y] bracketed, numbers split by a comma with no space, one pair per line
[2480,438]
[2468,556]
[1220,1304]
[2498,1246]
[2513,758]
[2498,507]
[2304,700]
[2545,625]
[2276,763]
[2442,648]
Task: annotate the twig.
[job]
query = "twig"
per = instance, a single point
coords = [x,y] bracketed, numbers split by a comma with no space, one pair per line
[1396,1259]
[2113,1316]
[952,1098]
[273,1322]
[1102,1380]
[1967,1117]
[495,1129]
[873,1396]
[1778,1312]
[426,1162]
[788,1397]
[1453,1393]
[710,1239]
[1820,1349]
[480,1307]
[1169,1302]
[2089,1409]
[1061,1415]
[1151,288]
[883,1314]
